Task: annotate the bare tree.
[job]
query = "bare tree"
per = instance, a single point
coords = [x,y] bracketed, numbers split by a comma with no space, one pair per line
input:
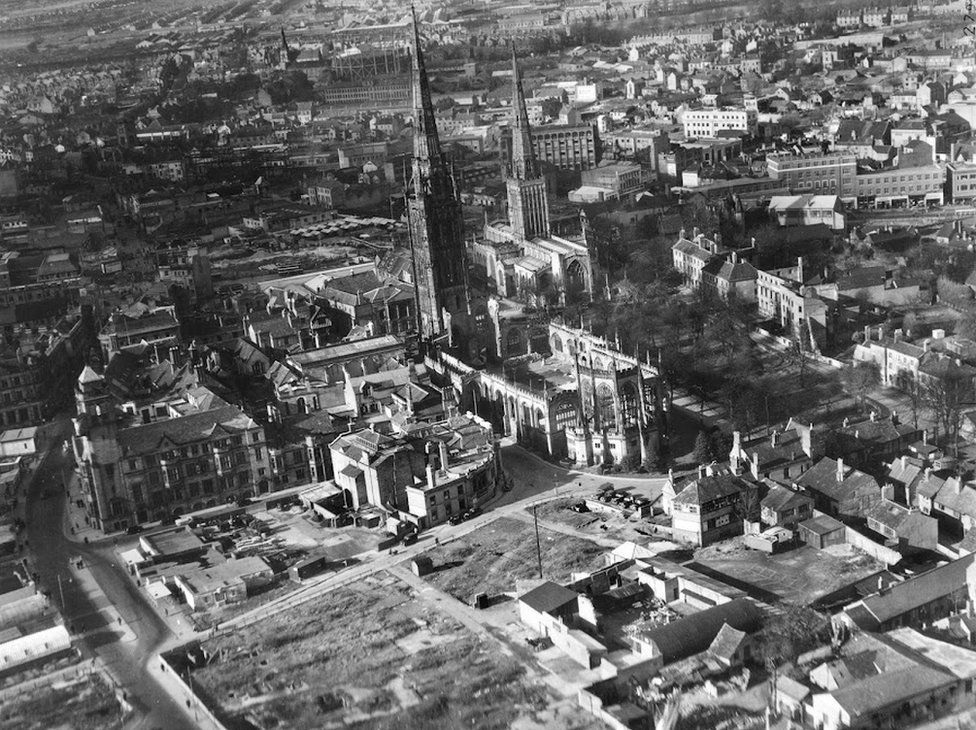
[948,397]
[860,377]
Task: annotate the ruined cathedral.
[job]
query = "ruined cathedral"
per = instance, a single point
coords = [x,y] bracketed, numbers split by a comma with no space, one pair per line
[556,388]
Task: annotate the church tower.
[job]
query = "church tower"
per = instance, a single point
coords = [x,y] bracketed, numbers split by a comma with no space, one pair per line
[528,205]
[434,217]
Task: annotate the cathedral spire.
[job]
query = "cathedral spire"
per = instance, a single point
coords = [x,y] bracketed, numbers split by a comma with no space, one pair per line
[426,145]
[524,165]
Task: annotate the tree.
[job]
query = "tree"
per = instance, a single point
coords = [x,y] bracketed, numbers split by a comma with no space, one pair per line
[953,292]
[948,392]
[652,460]
[703,448]
[860,377]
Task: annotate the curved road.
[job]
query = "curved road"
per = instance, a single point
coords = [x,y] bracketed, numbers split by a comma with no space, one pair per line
[127,661]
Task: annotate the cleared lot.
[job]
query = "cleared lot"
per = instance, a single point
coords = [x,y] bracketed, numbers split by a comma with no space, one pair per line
[367,656]
[797,576]
[490,559]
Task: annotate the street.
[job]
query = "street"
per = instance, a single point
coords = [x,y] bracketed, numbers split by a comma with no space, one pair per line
[84,609]
[92,596]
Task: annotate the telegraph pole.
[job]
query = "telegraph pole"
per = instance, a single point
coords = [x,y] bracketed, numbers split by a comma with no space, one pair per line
[538,544]
[61,592]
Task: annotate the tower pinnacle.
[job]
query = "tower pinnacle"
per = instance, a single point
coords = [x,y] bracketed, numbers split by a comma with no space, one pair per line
[524,166]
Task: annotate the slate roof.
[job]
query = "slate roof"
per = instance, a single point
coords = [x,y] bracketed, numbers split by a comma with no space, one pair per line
[737,271]
[148,438]
[708,488]
[781,498]
[822,478]
[908,595]
[726,643]
[548,597]
[695,633]
[873,693]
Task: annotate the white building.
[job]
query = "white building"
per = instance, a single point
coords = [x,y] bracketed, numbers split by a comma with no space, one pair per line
[710,122]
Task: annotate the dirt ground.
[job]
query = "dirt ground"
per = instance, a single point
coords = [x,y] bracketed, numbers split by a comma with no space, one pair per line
[600,524]
[85,704]
[491,559]
[797,576]
[366,656]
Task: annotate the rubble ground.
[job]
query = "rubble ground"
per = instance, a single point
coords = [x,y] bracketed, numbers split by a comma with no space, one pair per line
[86,703]
[369,656]
[491,559]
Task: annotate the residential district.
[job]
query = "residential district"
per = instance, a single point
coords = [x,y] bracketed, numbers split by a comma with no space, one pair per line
[566,365]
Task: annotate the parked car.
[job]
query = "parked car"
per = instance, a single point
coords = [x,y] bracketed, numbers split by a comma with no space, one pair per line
[410,538]
[134,530]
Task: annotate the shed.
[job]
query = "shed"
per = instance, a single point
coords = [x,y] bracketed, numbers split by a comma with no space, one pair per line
[422,565]
[549,599]
[822,531]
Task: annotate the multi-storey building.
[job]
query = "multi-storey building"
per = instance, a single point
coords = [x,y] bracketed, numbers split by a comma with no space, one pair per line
[961,182]
[384,93]
[781,297]
[832,172]
[186,265]
[425,478]
[706,509]
[568,147]
[37,370]
[158,327]
[36,287]
[902,185]
[200,453]
[621,179]
[710,122]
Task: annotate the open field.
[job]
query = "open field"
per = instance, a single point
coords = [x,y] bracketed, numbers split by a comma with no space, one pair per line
[797,576]
[491,559]
[369,656]
[87,703]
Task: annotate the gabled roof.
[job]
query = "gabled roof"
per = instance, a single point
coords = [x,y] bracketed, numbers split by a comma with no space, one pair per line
[695,633]
[822,478]
[781,498]
[708,488]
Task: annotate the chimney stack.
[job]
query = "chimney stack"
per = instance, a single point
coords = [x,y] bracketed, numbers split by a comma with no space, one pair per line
[773,437]
[840,470]
[867,333]
[442,450]
[431,481]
